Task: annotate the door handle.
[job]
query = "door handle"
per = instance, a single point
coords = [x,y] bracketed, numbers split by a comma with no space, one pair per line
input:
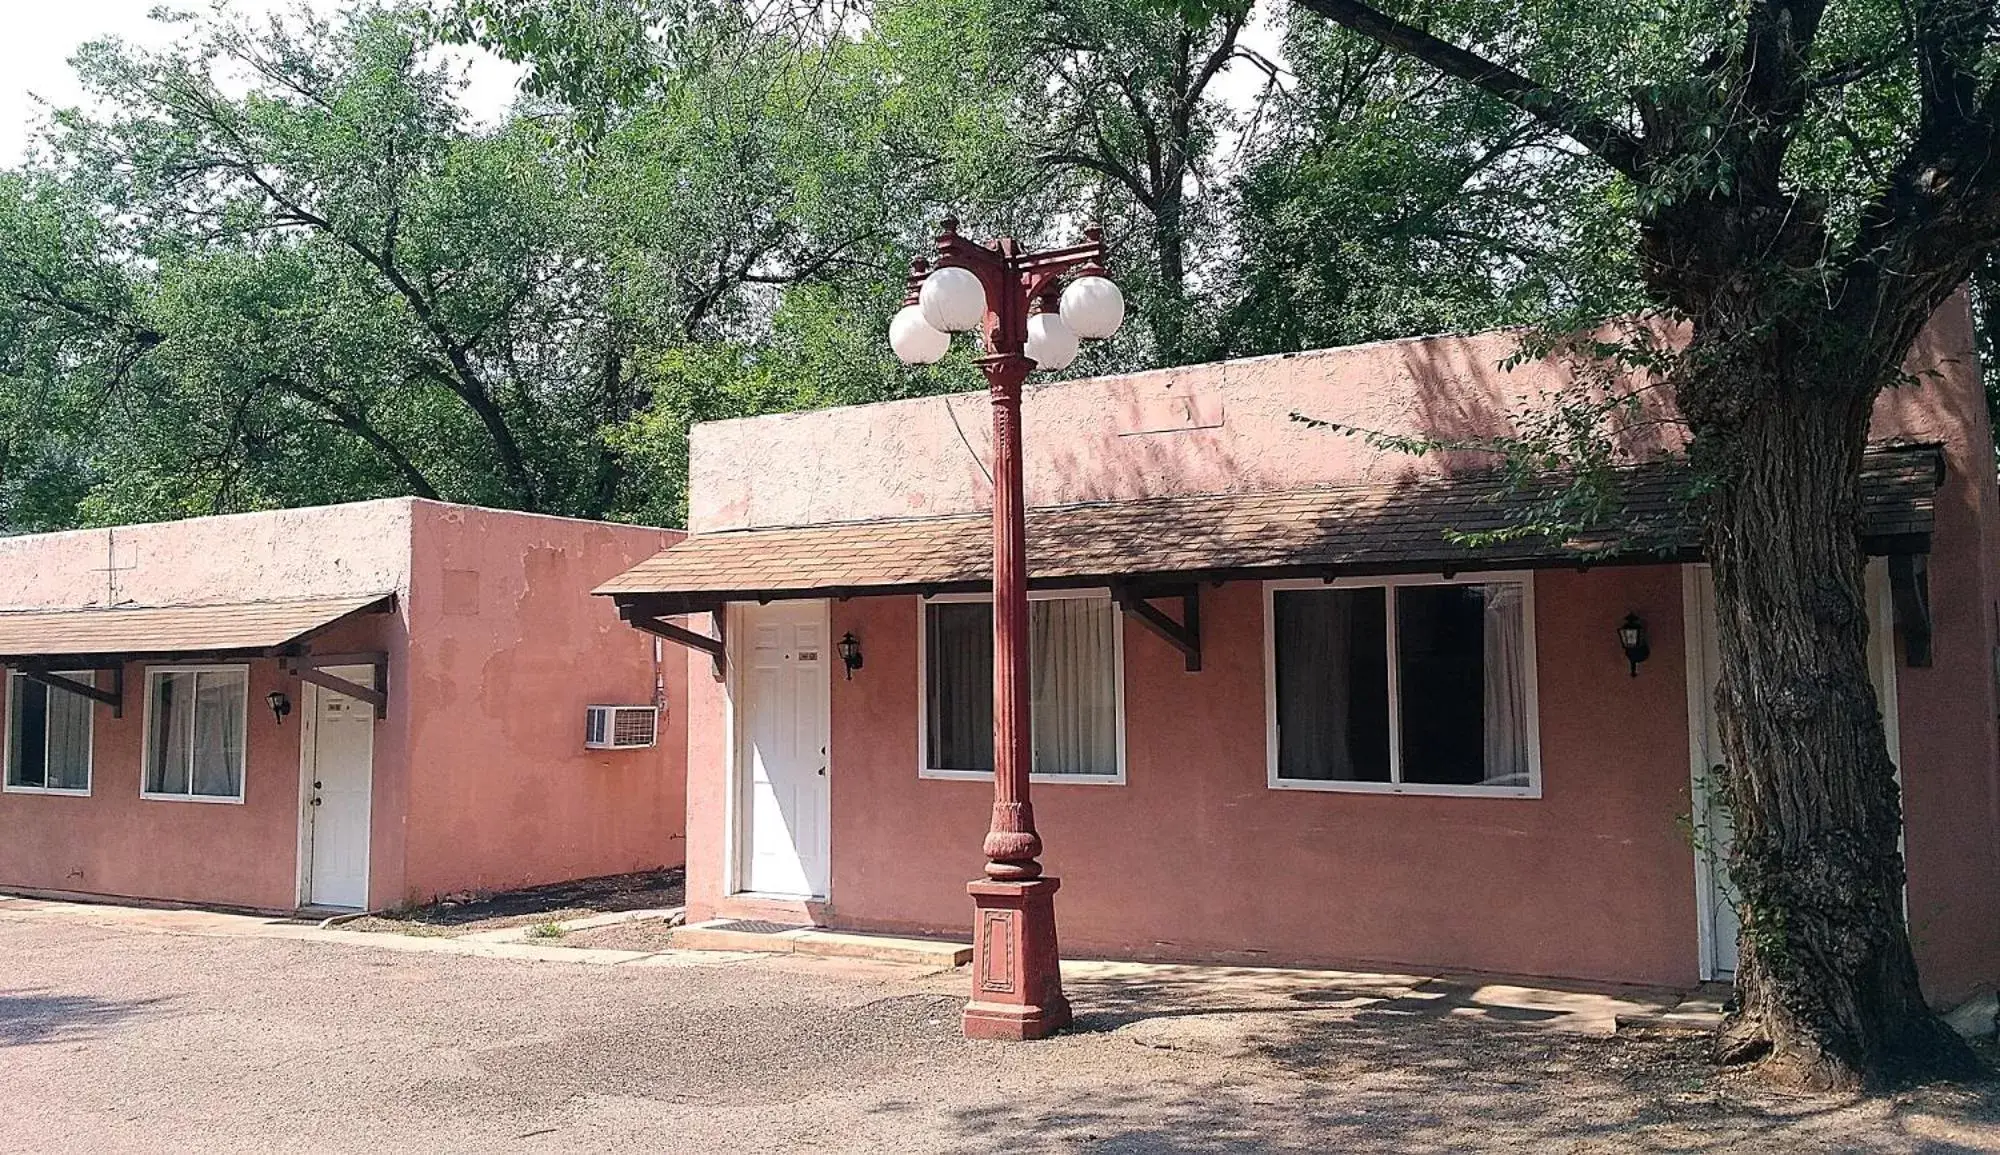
[315,801]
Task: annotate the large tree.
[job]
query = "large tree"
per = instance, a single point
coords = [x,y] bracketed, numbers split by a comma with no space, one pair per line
[1810,183]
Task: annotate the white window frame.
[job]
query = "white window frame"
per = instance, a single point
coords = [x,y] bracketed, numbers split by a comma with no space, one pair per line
[1525,579]
[925,770]
[89,678]
[146,739]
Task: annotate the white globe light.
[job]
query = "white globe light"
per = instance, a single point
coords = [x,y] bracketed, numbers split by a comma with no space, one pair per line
[1051,344]
[1093,307]
[952,299]
[913,339]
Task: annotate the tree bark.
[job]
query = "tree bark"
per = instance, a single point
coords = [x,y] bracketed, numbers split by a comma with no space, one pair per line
[1169,312]
[1827,985]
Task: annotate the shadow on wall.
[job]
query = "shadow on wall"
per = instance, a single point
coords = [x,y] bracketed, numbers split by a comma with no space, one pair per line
[1448,389]
[38,1015]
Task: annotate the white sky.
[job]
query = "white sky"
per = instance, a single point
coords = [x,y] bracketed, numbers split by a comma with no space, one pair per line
[37,38]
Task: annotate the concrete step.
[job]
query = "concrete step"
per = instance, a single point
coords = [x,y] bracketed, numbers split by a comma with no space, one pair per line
[727,934]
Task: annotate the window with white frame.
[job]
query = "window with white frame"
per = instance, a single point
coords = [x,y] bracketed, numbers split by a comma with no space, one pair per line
[1415,685]
[48,736]
[1075,679]
[194,733]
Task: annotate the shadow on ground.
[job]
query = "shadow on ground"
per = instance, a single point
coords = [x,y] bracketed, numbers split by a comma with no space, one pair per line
[39,1015]
[1375,1064]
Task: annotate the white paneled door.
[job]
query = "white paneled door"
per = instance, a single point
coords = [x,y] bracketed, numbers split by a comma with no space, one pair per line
[784,800]
[340,756]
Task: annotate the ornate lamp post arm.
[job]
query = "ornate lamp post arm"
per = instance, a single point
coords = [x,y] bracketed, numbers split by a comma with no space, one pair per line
[1017,991]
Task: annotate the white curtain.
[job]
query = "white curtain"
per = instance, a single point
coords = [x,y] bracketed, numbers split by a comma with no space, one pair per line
[1073,680]
[1506,704]
[197,739]
[69,737]
[218,734]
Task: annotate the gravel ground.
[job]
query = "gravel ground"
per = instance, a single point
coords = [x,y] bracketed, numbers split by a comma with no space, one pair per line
[647,934]
[118,1039]
[533,906]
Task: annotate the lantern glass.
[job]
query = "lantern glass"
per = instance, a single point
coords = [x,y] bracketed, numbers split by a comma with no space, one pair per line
[914,340]
[1051,344]
[952,299]
[1093,307]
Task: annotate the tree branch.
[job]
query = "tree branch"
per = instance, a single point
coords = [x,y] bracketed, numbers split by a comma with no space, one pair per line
[1612,144]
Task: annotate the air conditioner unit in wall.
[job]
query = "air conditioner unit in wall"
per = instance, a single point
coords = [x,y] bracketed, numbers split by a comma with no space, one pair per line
[621,727]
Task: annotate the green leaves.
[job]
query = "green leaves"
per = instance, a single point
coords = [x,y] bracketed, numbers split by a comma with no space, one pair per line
[282,268]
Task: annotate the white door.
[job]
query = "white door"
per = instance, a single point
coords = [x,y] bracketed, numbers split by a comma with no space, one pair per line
[1713,827]
[339,765]
[782,764]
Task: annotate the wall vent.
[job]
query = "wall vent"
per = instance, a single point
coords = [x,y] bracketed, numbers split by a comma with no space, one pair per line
[621,727]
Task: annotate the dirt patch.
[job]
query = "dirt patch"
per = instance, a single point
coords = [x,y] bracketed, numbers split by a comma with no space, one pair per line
[458,915]
[647,934]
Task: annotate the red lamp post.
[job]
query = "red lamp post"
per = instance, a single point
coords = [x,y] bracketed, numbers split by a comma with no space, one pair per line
[1028,320]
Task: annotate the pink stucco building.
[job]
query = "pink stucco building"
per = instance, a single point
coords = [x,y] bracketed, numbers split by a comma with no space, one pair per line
[1278,716]
[353,706]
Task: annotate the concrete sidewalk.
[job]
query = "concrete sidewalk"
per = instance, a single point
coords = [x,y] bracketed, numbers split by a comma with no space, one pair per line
[1185,1005]
[511,943]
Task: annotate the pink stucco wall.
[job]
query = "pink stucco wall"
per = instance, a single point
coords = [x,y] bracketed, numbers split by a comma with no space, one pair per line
[114,842]
[480,776]
[1950,741]
[1226,427]
[325,551]
[1195,857]
[507,650]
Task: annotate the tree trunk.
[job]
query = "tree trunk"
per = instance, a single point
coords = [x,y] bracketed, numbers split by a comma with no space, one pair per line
[1170,251]
[1827,985]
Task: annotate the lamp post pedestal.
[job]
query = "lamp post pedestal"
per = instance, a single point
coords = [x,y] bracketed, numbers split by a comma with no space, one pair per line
[1016,969]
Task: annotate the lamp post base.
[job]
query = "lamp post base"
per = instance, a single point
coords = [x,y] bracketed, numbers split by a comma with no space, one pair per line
[1016,969]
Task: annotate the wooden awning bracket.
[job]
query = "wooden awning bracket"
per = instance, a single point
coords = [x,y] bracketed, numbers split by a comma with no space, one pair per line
[1184,635]
[1910,590]
[113,697]
[715,647]
[312,668]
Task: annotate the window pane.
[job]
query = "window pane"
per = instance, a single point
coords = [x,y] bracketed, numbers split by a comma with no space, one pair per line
[1332,684]
[218,734]
[1073,685]
[69,737]
[958,691]
[27,732]
[1462,679]
[167,746]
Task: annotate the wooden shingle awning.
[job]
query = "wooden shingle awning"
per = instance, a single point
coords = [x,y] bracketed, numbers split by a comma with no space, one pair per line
[97,638]
[1164,543]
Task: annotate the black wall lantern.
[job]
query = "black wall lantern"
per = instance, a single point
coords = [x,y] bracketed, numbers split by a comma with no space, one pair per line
[850,653]
[1632,639]
[281,704]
